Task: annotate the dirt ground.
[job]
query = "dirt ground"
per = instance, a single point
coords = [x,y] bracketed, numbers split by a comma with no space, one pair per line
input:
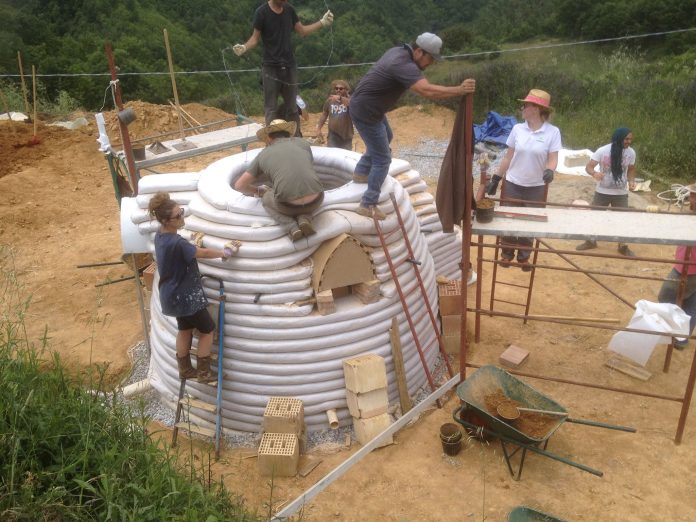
[58,211]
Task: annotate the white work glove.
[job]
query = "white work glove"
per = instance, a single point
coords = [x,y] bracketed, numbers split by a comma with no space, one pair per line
[327,19]
[239,49]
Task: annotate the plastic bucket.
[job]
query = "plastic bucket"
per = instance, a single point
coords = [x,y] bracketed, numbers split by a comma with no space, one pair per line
[451,438]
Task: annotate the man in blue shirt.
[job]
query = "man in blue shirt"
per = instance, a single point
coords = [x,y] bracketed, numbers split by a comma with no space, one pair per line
[398,70]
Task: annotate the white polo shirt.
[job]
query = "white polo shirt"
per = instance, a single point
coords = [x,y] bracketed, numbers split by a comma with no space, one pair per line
[532,149]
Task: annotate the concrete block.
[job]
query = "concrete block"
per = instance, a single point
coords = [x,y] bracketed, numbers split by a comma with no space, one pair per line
[365,373]
[279,455]
[450,298]
[366,429]
[368,404]
[284,415]
[514,356]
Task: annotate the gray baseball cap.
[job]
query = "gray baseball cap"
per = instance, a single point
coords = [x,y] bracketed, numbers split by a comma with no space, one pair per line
[431,44]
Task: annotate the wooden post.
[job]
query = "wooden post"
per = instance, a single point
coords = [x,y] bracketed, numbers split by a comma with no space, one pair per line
[467,170]
[399,370]
[24,83]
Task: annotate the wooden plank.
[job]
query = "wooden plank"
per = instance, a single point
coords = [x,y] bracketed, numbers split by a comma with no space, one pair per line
[194,428]
[628,367]
[309,466]
[517,215]
[399,370]
[196,403]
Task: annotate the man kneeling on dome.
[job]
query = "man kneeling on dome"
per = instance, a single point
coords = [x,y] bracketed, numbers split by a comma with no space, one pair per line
[287,165]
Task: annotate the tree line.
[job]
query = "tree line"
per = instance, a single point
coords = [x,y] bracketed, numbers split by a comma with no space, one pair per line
[68,37]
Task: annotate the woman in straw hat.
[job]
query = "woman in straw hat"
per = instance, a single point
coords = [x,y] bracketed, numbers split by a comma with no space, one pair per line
[528,166]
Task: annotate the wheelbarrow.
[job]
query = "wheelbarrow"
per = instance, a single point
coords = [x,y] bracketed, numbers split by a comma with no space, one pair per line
[479,395]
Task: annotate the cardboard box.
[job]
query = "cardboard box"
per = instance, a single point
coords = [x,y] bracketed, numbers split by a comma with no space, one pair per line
[369,404]
[284,415]
[367,429]
[365,373]
[279,455]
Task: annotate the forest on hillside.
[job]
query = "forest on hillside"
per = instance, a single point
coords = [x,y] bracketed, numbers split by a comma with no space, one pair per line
[65,38]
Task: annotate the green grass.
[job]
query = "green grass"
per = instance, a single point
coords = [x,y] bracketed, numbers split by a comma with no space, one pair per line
[69,451]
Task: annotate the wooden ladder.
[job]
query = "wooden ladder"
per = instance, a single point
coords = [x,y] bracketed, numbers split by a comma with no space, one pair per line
[186,403]
[529,286]
[414,264]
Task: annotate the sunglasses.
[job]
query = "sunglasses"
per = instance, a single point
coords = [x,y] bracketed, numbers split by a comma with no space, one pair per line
[179,214]
[339,88]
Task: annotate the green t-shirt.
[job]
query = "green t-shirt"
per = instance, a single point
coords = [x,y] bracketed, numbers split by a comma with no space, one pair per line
[288,164]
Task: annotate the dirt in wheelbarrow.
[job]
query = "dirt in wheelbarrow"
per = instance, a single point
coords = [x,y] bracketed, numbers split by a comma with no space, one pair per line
[535,425]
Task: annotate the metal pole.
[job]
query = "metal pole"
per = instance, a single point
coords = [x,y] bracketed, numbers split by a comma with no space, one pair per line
[688,393]
[589,275]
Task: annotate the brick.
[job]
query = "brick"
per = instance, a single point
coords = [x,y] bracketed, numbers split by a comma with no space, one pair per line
[365,373]
[284,415]
[325,302]
[369,404]
[279,455]
[450,298]
[368,292]
[149,276]
[366,429]
[514,356]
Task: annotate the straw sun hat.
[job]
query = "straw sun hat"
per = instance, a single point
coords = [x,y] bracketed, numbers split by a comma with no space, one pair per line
[276,126]
[538,97]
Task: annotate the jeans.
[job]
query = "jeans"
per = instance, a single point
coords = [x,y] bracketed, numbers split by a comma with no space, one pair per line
[280,81]
[668,294]
[375,162]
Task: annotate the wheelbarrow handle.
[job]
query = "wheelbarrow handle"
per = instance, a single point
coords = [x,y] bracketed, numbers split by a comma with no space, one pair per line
[601,425]
[531,447]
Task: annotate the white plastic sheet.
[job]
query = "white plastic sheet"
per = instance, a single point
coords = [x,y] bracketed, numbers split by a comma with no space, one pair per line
[659,317]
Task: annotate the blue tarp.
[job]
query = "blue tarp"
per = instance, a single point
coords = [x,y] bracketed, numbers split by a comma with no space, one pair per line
[495,129]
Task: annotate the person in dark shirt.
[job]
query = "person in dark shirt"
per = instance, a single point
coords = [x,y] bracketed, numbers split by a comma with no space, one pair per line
[398,70]
[335,110]
[180,289]
[274,22]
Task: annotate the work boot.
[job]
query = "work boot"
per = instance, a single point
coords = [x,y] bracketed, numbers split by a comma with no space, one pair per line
[186,371]
[204,373]
[586,245]
[295,234]
[359,178]
[372,210]
[306,227]
[625,251]
[524,265]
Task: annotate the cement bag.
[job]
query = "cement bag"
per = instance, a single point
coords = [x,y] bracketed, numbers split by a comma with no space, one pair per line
[659,317]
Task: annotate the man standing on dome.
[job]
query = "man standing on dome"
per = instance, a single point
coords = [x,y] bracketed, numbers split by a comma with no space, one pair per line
[398,70]
[274,22]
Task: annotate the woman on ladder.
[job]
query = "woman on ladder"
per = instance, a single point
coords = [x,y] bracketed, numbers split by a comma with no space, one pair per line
[180,288]
[528,166]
